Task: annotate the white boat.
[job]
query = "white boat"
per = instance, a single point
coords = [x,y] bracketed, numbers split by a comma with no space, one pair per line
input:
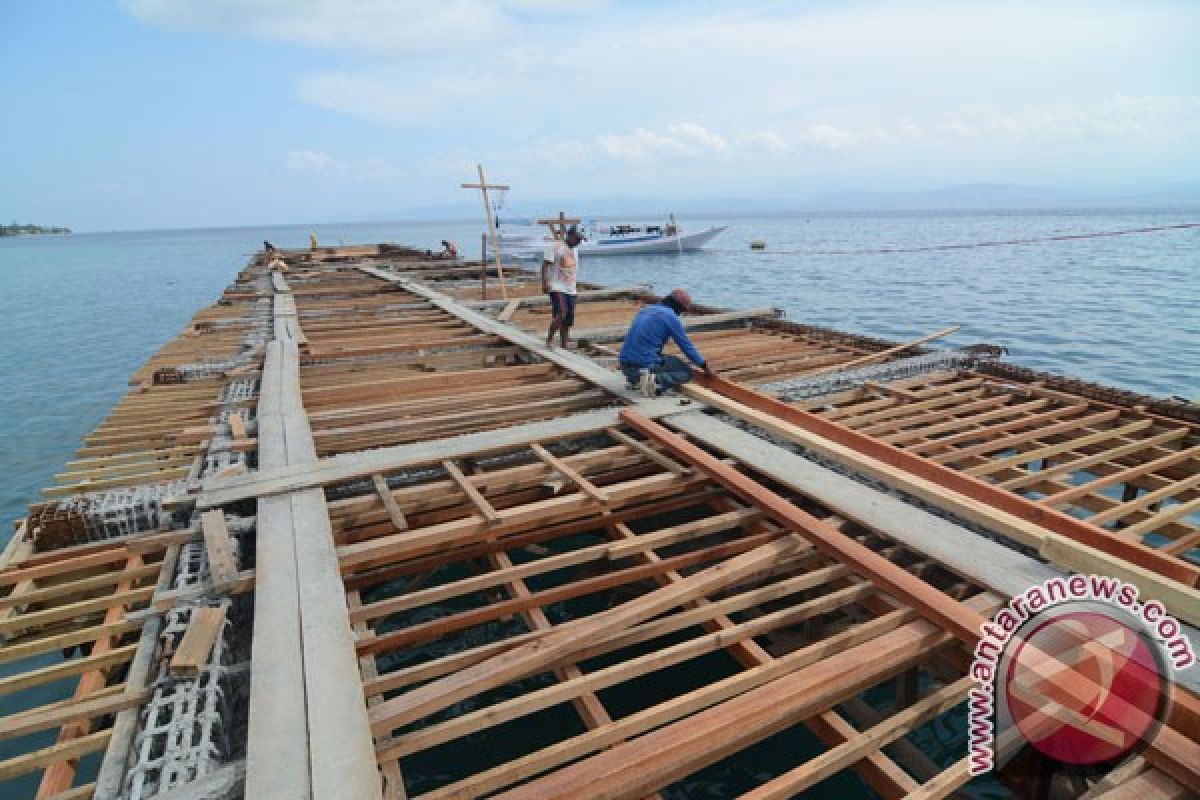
[521,241]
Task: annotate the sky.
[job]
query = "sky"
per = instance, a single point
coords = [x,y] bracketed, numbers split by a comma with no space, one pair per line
[188,113]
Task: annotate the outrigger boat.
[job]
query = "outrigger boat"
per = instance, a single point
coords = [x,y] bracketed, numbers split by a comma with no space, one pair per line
[522,240]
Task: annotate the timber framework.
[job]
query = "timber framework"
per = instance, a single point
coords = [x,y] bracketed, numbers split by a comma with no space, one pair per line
[358,533]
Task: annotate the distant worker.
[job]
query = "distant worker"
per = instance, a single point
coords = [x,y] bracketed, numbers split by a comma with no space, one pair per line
[449,249]
[559,278]
[312,241]
[642,360]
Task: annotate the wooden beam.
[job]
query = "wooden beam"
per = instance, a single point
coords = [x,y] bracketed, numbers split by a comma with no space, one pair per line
[222,565]
[399,521]
[54,756]
[27,722]
[1171,751]
[898,466]
[649,452]
[899,724]
[507,312]
[567,638]
[584,485]
[473,495]
[691,322]
[192,655]
[653,760]
[277,479]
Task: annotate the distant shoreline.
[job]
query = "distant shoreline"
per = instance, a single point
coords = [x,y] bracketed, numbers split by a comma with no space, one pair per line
[15,229]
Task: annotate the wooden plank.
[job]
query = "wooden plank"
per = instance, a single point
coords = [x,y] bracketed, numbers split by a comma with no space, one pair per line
[506,313]
[682,533]
[61,641]
[814,771]
[1066,468]
[39,719]
[473,495]
[953,616]
[649,452]
[960,550]
[222,565]
[933,482]
[584,485]
[277,739]
[1142,501]
[1171,752]
[1039,453]
[1182,602]
[632,769]
[55,754]
[399,522]
[281,478]
[945,783]
[343,753]
[224,782]
[65,669]
[237,426]
[544,300]
[79,586]
[105,557]
[568,637]
[1167,514]
[1149,785]
[637,723]
[193,652]
[111,773]
[691,322]
[579,364]
[1121,476]
[473,722]
[36,619]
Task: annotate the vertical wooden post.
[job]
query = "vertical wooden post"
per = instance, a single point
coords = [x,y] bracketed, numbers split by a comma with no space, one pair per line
[483,270]
[483,187]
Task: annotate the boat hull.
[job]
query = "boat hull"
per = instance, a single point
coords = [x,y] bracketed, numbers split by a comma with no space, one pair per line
[657,244]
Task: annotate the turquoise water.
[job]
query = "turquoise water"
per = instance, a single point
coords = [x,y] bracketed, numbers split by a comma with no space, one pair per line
[81,313]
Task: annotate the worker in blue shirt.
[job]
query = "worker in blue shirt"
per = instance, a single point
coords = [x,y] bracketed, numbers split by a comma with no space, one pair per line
[642,360]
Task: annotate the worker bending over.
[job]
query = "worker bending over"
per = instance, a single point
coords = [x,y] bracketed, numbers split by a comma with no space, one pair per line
[642,360]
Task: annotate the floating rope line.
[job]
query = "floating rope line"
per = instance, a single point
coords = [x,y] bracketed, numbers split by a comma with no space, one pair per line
[966,246]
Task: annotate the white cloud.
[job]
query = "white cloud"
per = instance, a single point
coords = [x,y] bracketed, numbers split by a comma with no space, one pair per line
[320,163]
[766,140]
[377,26]
[943,91]
[311,161]
[680,139]
[826,137]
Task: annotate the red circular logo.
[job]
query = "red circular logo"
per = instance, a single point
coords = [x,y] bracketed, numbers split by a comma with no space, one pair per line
[1084,687]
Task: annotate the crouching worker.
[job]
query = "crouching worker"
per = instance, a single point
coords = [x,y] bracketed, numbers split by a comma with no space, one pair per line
[642,360]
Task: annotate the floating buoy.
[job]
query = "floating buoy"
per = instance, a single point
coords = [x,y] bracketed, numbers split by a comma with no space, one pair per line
[758,244]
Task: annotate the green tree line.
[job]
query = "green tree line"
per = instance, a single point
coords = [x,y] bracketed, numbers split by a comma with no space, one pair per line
[20,230]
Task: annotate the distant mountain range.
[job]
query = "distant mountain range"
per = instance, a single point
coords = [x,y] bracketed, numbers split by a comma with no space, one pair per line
[1005,196]
[975,196]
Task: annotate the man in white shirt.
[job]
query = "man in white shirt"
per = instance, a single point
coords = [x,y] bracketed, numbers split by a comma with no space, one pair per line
[559,278]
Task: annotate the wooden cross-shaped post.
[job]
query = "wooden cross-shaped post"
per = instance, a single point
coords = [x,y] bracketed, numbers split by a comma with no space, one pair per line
[561,222]
[483,187]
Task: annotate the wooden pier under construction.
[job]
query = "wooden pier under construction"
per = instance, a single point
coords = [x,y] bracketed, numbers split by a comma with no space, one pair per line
[358,533]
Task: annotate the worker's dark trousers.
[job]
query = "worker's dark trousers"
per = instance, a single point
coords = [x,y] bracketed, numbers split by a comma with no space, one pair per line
[670,373]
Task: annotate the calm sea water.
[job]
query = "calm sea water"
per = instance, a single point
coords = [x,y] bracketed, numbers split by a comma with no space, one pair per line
[81,313]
